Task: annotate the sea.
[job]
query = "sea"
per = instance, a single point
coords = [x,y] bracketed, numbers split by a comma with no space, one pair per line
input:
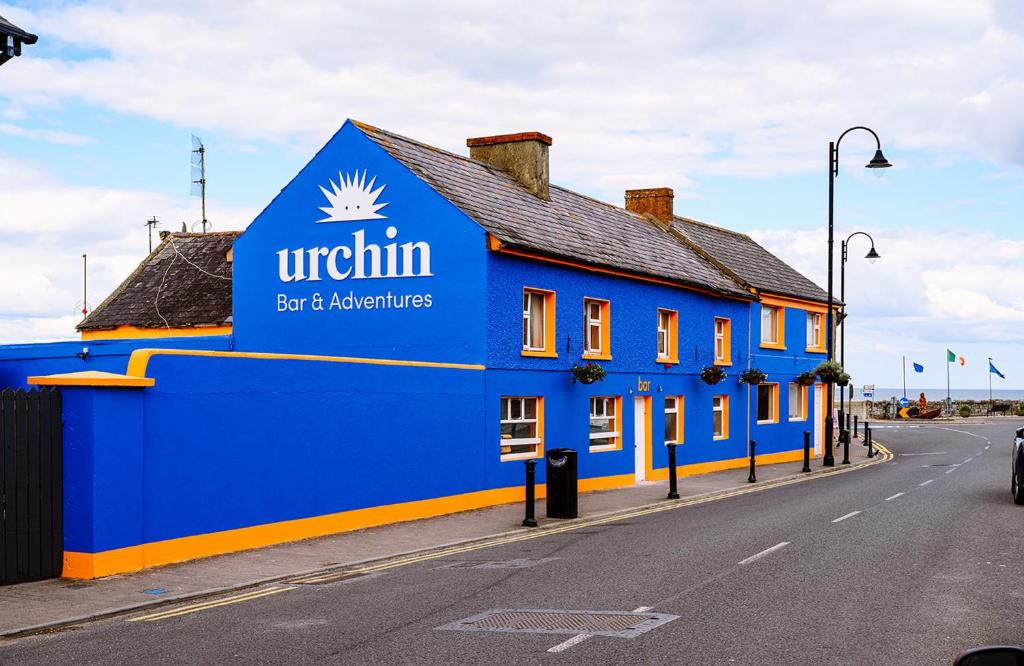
[940,393]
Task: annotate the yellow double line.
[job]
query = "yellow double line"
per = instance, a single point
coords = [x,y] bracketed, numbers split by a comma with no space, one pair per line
[330,576]
[224,601]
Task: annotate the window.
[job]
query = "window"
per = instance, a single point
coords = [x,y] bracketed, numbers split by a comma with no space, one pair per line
[772,327]
[797,402]
[538,323]
[521,427]
[596,329]
[723,341]
[720,416]
[767,403]
[674,420]
[815,327]
[604,424]
[667,337]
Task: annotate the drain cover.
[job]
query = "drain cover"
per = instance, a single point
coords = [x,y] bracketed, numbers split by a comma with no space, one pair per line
[619,624]
[521,563]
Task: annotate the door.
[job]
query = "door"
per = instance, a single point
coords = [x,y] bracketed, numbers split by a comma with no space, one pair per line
[641,436]
[819,419]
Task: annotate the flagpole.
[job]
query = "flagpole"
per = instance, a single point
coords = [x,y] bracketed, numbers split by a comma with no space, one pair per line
[948,401]
[990,383]
[904,376]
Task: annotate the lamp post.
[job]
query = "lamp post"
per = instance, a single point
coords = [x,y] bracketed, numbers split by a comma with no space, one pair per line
[877,162]
[872,256]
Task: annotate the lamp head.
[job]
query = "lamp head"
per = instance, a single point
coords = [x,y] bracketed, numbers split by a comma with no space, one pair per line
[872,256]
[878,161]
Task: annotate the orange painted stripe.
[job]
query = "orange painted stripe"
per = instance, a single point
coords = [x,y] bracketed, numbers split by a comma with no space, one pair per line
[135,332]
[661,473]
[133,558]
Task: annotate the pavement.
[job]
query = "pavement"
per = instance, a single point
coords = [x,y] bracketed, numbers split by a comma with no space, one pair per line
[48,605]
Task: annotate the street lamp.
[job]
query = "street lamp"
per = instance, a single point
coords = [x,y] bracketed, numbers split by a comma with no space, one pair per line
[872,256]
[877,162]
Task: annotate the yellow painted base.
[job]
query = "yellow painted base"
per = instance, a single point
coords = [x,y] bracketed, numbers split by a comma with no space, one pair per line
[661,473]
[135,332]
[133,558]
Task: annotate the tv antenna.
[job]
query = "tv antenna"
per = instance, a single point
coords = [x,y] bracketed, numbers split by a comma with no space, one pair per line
[198,176]
[85,285]
[151,223]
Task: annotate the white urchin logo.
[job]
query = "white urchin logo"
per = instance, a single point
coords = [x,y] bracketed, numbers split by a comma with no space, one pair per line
[352,199]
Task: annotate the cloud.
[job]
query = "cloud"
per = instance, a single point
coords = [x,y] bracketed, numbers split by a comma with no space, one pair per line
[46,226]
[49,136]
[645,92]
[952,288]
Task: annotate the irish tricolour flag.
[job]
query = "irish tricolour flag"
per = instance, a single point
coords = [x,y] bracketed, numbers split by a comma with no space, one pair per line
[953,358]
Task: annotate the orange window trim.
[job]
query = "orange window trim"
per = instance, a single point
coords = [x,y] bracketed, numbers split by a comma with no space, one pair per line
[606,330]
[775,404]
[725,417]
[726,360]
[780,328]
[549,350]
[673,337]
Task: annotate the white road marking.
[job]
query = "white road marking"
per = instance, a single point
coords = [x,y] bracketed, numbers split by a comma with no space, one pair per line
[766,551]
[579,638]
[950,470]
[894,496]
[986,448]
[968,460]
[849,515]
[926,482]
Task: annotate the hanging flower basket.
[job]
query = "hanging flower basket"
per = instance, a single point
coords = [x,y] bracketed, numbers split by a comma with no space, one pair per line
[753,376]
[712,374]
[806,378]
[587,374]
[831,372]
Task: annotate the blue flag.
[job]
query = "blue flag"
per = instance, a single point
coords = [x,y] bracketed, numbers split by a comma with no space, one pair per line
[992,369]
[918,367]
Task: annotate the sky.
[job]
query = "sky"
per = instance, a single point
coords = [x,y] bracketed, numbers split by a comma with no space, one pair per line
[730,104]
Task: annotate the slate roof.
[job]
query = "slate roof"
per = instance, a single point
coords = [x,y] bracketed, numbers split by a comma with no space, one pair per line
[8,28]
[569,226]
[178,277]
[753,264]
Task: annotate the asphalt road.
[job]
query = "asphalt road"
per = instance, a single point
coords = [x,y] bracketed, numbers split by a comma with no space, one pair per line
[907,562]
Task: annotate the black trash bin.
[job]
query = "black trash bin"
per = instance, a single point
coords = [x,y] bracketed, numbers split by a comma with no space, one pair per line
[561,478]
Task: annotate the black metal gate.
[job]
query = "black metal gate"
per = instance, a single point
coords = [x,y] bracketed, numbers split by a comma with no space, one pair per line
[31,485]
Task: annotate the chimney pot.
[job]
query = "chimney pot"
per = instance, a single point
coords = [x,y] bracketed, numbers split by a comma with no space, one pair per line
[524,156]
[164,234]
[656,202]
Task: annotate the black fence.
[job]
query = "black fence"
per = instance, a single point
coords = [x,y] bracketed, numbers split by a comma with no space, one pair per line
[31,485]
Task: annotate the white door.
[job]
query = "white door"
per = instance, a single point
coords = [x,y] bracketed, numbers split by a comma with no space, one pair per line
[640,444]
[819,419]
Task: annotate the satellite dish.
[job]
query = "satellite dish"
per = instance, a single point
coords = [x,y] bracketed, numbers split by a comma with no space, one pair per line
[202,227]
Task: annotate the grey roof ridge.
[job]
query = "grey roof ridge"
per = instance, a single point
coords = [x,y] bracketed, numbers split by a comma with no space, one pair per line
[700,251]
[121,288]
[708,257]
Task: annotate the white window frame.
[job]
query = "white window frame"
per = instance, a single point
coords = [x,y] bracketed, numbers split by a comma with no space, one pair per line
[814,330]
[718,404]
[720,326]
[678,413]
[589,322]
[773,317]
[529,344]
[613,435]
[664,333]
[506,417]
[801,393]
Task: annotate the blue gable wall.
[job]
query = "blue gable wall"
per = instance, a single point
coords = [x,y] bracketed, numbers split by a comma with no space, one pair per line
[435,317]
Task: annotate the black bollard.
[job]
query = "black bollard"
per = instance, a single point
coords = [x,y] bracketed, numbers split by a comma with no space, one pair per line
[531,473]
[845,435]
[673,492]
[807,451]
[848,421]
[753,462]
[867,428]
[871,449]
[854,425]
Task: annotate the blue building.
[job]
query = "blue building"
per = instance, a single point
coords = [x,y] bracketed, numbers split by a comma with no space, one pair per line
[404,332]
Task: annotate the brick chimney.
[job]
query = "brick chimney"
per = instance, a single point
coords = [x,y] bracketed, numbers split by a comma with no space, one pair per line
[524,156]
[656,202]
